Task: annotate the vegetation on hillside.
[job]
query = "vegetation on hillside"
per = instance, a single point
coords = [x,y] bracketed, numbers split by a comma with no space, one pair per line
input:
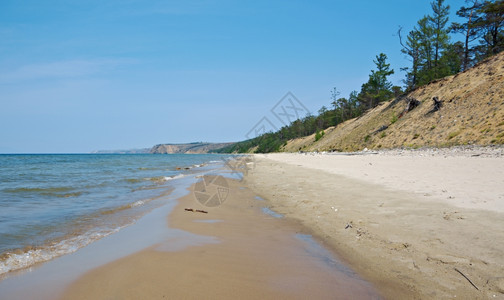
[432,55]
[470,112]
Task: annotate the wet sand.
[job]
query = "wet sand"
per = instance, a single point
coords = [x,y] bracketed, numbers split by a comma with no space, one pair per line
[418,226]
[250,254]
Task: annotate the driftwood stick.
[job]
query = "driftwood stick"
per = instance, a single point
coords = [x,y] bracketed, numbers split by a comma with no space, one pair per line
[467,278]
[196,210]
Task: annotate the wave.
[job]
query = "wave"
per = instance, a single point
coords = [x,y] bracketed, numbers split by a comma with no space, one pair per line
[161,179]
[192,166]
[123,207]
[21,259]
[97,200]
[133,180]
[137,203]
[59,192]
[178,176]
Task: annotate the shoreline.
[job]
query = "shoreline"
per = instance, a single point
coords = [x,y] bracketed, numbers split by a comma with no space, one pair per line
[250,255]
[54,205]
[404,236]
[385,215]
[48,279]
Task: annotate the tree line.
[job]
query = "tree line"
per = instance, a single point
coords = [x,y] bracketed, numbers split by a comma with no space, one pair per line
[432,55]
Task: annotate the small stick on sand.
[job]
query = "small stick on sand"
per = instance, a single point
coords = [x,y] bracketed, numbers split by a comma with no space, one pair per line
[197,210]
[467,278]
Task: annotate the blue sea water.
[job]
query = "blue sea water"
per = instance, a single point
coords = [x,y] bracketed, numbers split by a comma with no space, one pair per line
[51,205]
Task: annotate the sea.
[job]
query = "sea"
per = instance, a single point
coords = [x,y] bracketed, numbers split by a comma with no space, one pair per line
[55,204]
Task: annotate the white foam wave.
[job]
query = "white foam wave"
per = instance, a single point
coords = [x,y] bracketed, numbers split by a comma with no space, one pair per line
[178,176]
[138,203]
[16,261]
[161,179]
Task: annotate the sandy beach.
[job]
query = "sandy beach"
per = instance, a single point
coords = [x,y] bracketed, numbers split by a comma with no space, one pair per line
[395,225]
[250,255]
[419,225]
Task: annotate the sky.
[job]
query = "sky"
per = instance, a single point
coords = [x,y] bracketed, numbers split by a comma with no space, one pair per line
[84,75]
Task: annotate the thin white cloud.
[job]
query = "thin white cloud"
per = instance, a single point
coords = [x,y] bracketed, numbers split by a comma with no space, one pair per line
[60,69]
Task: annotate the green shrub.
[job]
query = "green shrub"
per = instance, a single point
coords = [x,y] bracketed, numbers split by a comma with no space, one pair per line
[319,135]
[453,134]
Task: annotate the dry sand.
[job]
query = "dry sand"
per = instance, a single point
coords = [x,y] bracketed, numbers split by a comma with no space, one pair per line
[407,223]
[253,256]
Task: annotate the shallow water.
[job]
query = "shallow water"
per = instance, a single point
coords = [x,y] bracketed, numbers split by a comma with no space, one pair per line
[51,205]
[47,281]
[269,212]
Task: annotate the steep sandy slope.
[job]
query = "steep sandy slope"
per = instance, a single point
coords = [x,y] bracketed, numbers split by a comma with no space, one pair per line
[472,112]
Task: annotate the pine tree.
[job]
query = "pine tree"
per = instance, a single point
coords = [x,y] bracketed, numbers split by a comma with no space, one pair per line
[426,38]
[452,60]
[411,47]
[467,28]
[427,45]
[489,24]
[438,22]
[378,88]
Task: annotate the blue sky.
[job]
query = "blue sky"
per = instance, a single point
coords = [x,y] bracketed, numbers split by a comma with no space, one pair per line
[78,76]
